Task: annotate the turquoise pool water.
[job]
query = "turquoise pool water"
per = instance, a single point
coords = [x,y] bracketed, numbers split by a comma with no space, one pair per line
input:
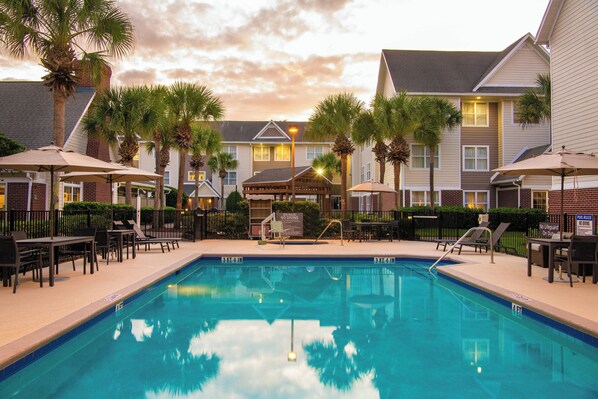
[357,329]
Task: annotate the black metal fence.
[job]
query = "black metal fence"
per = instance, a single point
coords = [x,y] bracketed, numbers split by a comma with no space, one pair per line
[421,226]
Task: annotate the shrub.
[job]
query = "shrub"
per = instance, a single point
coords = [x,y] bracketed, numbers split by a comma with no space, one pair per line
[121,211]
[147,214]
[233,201]
[228,224]
[171,198]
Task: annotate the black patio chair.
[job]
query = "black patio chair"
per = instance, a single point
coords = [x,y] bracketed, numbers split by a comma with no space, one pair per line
[81,249]
[105,244]
[131,224]
[582,251]
[12,259]
[349,231]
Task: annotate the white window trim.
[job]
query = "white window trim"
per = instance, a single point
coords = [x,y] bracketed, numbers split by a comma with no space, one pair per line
[321,152]
[71,186]
[475,114]
[426,199]
[201,172]
[262,148]
[477,191]
[166,179]
[476,158]
[227,177]
[547,198]
[228,147]
[426,156]
[276,153]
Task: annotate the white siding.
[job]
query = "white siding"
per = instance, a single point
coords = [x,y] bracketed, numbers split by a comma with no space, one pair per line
[77,141]
[574,70]
[388,89]
[521,69]
[515,138]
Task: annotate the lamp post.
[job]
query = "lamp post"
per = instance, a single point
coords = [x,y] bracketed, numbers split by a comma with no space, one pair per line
[293,131]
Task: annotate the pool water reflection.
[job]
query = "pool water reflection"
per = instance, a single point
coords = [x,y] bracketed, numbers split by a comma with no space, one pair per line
[356,329]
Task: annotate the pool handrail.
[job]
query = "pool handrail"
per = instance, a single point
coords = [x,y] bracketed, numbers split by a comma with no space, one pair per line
[459,242]
[329,224]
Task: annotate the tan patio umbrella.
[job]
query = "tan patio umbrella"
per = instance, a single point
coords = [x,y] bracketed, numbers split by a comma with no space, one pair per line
[126,174]
[54,159]
[562,163]
[371,187]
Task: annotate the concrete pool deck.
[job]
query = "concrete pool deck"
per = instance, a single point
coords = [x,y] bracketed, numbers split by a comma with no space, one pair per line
[34,316]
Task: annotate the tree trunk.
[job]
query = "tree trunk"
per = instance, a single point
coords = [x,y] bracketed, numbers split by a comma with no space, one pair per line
[129,193]
[344,185]
[59,118]
[179,195]
[382,173]
[222,176]
[432,154]
[397,173]
[159,183]
[196,188]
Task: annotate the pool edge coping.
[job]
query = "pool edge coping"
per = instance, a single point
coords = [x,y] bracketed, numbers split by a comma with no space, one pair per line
[572,320]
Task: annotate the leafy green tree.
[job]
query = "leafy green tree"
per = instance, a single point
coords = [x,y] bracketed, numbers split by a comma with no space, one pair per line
[65,34]
[333,118]
[328,163]
[221,162]
[205,141]
[188,103]
[233,201]
[535,104]
[121,115]
[436,114]
[8,146]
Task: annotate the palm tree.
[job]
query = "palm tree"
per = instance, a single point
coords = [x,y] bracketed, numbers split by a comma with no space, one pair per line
[365,131]
[535,104]
[205,140]
[65,35]
[333,118]
[121,115]
[189,102]
[436,114]
[328,163]
[396,117]
[221,162]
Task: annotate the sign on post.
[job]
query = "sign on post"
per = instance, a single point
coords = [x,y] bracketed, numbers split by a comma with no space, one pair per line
[292,222]
[584,225]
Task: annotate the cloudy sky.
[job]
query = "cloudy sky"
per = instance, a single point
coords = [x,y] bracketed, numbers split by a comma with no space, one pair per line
[276,59]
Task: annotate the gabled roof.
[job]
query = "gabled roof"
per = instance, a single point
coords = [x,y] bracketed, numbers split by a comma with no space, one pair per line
[260,131]
[206,189]
[26,112]
[549,19]
[527,153]
[452,72]
[277,175]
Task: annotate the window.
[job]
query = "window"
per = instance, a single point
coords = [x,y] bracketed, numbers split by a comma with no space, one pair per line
[2,195]
[136,160]
[191,175]
[517,115]
[261,153]
[540,200]
[422,198]
[166,177]
[72,192]
[231,149]
[475,350]
[282,153]
[231,178]
[475,114]
[476,199]
[368,171]
[475,158]
[313,152]
[362,175]
[420,157]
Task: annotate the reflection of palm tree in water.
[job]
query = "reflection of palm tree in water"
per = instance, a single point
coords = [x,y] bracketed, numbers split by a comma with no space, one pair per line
[338,363]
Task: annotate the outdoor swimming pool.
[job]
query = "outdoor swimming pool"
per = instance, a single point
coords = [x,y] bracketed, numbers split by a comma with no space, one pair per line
[312,328]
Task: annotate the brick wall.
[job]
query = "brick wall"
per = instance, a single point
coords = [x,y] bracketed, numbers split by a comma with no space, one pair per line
[452,198]
[38,197]
[584,200]
[17,194]
[526,198]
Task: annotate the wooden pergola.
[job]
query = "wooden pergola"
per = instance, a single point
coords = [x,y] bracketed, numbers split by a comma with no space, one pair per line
[278,183]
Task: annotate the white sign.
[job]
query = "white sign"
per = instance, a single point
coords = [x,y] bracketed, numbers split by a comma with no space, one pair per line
[584,225]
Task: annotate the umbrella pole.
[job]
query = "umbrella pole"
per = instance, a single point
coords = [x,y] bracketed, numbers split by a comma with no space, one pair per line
[562,203]
[111,200]
[52,221]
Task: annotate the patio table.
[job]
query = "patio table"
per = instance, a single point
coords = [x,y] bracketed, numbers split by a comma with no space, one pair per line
[553,244]
[378,226]
[53,243]
[120,234]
